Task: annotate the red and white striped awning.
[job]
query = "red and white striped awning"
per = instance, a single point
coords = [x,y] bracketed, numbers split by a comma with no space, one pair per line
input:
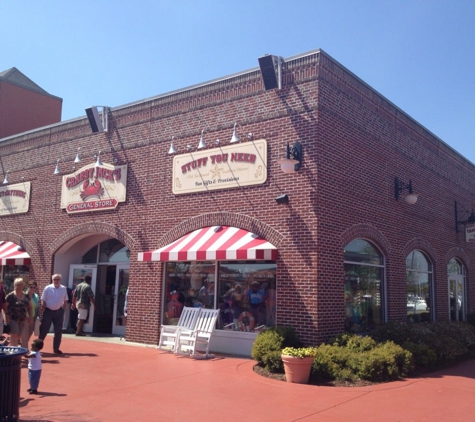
[214,243]
[10,254]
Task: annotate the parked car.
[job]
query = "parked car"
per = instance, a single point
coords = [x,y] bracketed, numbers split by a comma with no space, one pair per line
[417,305]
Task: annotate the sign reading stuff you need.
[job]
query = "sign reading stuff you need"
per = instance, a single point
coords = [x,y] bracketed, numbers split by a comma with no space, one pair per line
[15,199]
[229,166]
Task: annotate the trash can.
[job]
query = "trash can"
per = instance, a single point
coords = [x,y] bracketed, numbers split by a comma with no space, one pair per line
[10,378]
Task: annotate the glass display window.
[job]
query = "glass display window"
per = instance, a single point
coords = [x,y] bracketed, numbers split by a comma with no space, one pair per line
[243,291]
[364,271]
[419,287]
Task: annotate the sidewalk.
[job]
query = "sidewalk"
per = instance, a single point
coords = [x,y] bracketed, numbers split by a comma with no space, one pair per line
[111,380]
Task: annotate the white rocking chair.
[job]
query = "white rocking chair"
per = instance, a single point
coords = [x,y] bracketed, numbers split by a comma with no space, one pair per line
[169,333]
[197,339]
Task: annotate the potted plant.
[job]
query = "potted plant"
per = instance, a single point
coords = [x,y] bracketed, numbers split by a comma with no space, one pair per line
[298,363]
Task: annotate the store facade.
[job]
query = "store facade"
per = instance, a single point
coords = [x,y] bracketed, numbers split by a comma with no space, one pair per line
[183,201]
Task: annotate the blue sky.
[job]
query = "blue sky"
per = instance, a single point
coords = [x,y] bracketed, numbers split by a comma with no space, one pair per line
[418,54]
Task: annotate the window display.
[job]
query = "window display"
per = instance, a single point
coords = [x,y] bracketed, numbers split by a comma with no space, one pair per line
[243,291]
[364,267]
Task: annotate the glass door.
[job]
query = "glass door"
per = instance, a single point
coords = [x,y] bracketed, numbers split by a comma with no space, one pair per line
[76,276]
[120,298]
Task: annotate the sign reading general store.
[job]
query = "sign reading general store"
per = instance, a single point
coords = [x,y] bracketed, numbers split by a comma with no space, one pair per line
[225,167]
[94,188]
[15,199]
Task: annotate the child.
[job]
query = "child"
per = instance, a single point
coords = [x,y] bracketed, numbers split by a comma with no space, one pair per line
[34,365]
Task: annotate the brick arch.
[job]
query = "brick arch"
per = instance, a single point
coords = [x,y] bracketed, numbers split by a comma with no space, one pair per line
[369,232]
[224,219]
[423,245]
[15,238]
[457,252]
[93,228]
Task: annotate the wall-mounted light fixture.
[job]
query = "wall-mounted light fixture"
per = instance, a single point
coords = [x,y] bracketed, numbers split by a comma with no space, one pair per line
[77,160]
[56,170]
[293,159]
[282,199]
[469,220]
[400,186]
[234,138]
[202,143]
[172,149]
[98,120]
[271,71]
[98,161]
[5,180]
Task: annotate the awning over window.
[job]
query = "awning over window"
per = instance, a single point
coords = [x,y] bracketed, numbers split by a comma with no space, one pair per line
[10,255]
[214,243]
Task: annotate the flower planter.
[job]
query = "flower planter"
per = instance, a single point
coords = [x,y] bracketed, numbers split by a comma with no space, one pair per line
[297,369]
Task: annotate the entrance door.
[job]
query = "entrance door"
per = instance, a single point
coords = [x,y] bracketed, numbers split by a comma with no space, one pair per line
[120,296]
[456,298]
[76,276]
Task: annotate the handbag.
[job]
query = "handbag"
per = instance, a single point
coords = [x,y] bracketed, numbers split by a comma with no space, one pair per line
[6,328]
[36,329]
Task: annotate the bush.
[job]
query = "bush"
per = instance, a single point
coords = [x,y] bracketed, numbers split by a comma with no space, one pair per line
[446,340]
[353,357]
[268,345]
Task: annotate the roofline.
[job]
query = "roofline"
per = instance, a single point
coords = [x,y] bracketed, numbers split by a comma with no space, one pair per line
[234,75]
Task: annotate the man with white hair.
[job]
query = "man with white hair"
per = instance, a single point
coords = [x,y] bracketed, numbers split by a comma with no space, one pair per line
[53,303]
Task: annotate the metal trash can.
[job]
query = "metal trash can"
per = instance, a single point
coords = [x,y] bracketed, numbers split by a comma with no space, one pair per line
[10,379]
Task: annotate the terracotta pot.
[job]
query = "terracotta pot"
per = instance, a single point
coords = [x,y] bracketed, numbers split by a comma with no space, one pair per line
[297,370]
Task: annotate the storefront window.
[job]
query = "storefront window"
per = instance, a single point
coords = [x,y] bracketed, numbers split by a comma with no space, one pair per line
[10,272]
[243,291]
[364,269]
[456,272]
[111,251]
[419,287]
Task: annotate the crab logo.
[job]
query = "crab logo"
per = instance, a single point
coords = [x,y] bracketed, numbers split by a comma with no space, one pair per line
[91,189]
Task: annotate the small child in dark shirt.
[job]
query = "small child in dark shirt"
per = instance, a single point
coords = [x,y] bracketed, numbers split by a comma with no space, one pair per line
[34,365]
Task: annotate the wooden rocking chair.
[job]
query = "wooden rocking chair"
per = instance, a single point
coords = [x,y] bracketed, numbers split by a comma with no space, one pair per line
[169,333]
[197,339]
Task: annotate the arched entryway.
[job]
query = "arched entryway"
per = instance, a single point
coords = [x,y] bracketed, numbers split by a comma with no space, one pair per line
[106,260]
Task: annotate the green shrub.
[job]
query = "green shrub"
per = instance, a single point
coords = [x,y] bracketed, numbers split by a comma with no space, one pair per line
[355,342]
[423,356]
[359,358]
[268,345]
[449,341]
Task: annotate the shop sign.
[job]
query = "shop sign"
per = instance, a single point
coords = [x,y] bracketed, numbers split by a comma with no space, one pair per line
[94,188]
[470,234]
[226,167]
[15,199]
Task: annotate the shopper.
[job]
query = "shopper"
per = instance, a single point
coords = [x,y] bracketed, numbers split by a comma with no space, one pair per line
[82,300]
[17,311]
[33,320]
[34,365]
[53,302]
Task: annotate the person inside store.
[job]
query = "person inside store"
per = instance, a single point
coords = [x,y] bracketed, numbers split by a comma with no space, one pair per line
[174,307]
[33,320]
[53,303]
[82,300]
[2,301]
[17,310]
[257,297]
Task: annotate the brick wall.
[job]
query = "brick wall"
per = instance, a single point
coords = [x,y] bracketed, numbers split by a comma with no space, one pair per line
[354,143]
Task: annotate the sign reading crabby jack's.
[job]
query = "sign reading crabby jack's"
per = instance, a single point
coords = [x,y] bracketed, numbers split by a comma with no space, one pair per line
[470,234]
[94,188]
[15,199]
[225,167]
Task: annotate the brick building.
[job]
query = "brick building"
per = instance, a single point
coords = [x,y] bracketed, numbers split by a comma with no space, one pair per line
[341,248]
[24,105]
